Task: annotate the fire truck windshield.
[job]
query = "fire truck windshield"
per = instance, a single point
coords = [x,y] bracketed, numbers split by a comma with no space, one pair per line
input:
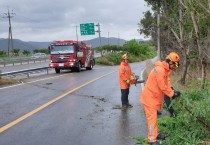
[62,49]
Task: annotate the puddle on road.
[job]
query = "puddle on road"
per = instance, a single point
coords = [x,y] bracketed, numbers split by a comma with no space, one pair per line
[117,107]
[120,107]
[98,98]
[49,83]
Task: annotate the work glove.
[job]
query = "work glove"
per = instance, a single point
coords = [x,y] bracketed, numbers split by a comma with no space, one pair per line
[176,94]
[127,81]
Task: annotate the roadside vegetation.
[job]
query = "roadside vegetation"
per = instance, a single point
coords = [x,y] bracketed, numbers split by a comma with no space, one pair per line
[137,51]
[184,28]
[191,125]
[4,81]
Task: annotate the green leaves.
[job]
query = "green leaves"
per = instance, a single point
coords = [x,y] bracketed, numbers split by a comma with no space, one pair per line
[192,115]
[139,49]
[147,24]
[136,52]
[190,126]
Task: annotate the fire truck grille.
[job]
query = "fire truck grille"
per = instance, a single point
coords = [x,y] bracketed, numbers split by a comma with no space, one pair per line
[61,59]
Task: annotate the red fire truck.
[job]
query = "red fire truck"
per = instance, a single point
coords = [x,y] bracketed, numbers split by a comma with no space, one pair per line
[70,54]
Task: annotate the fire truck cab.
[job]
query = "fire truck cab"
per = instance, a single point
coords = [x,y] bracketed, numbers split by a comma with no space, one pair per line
[70,54]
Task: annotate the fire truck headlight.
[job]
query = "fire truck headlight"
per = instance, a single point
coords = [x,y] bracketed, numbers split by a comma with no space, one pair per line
[72,60]
[71,63]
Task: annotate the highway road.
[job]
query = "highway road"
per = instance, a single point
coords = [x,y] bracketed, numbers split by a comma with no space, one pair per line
[71,109]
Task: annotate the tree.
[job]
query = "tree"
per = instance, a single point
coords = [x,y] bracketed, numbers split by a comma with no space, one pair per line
[26,52]
[2,53]
[43,50]
[147,25]
[184,27]
[200,15]
[16,51]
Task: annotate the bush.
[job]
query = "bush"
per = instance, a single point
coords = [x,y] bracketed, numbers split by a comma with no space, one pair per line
[2,53]
[43,50]
[26,52]
[136,51]
[140,49]
[110,59]
[103,61]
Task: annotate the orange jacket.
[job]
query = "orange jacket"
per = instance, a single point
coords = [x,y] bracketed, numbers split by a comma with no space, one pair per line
[158,84]
[125,73]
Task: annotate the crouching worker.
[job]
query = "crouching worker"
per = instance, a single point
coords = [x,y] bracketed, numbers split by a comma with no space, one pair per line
[152,96]
[125,74]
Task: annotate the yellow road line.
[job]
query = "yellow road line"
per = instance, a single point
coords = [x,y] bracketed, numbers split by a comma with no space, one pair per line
[47,104]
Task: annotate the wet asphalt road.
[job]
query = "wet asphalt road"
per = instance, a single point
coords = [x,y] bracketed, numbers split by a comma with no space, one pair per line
[82,116]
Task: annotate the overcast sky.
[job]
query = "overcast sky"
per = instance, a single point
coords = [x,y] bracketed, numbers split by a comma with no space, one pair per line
[48,20]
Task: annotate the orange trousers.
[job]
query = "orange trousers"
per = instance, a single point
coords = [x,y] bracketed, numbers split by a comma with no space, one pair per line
[151,115]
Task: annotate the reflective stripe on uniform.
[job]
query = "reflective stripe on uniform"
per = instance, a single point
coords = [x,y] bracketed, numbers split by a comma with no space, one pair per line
[151,130]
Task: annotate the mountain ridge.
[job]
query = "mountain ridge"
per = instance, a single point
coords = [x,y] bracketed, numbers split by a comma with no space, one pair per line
[31,45]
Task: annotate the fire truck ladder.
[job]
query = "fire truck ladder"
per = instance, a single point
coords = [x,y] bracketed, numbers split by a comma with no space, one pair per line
[88,58]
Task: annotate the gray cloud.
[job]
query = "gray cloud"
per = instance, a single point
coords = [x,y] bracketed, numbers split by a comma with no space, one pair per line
[47,20]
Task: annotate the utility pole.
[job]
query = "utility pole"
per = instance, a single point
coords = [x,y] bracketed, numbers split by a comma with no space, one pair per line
[118,40]
[99,35]
[76,32]
[10,41]
[108,38]
[99,32]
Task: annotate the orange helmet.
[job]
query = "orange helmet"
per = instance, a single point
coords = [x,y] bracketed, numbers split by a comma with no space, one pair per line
[125,56]
[173,56]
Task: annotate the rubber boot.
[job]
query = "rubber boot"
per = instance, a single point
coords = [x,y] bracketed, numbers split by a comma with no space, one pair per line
[162,136]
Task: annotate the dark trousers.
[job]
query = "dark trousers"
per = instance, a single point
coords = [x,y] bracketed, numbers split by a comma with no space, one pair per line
[124,96]
[168,103]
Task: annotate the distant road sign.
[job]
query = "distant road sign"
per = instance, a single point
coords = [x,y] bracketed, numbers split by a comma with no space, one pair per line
[87,29]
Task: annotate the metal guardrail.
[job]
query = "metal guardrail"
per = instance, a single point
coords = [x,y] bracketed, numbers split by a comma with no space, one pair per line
[21,61]
[25,71]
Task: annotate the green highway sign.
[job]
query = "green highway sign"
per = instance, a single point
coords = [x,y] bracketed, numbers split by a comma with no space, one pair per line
[87,29]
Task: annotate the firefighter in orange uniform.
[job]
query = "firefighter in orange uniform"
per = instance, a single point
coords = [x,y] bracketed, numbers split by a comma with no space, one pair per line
[152,97]
[125,74]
